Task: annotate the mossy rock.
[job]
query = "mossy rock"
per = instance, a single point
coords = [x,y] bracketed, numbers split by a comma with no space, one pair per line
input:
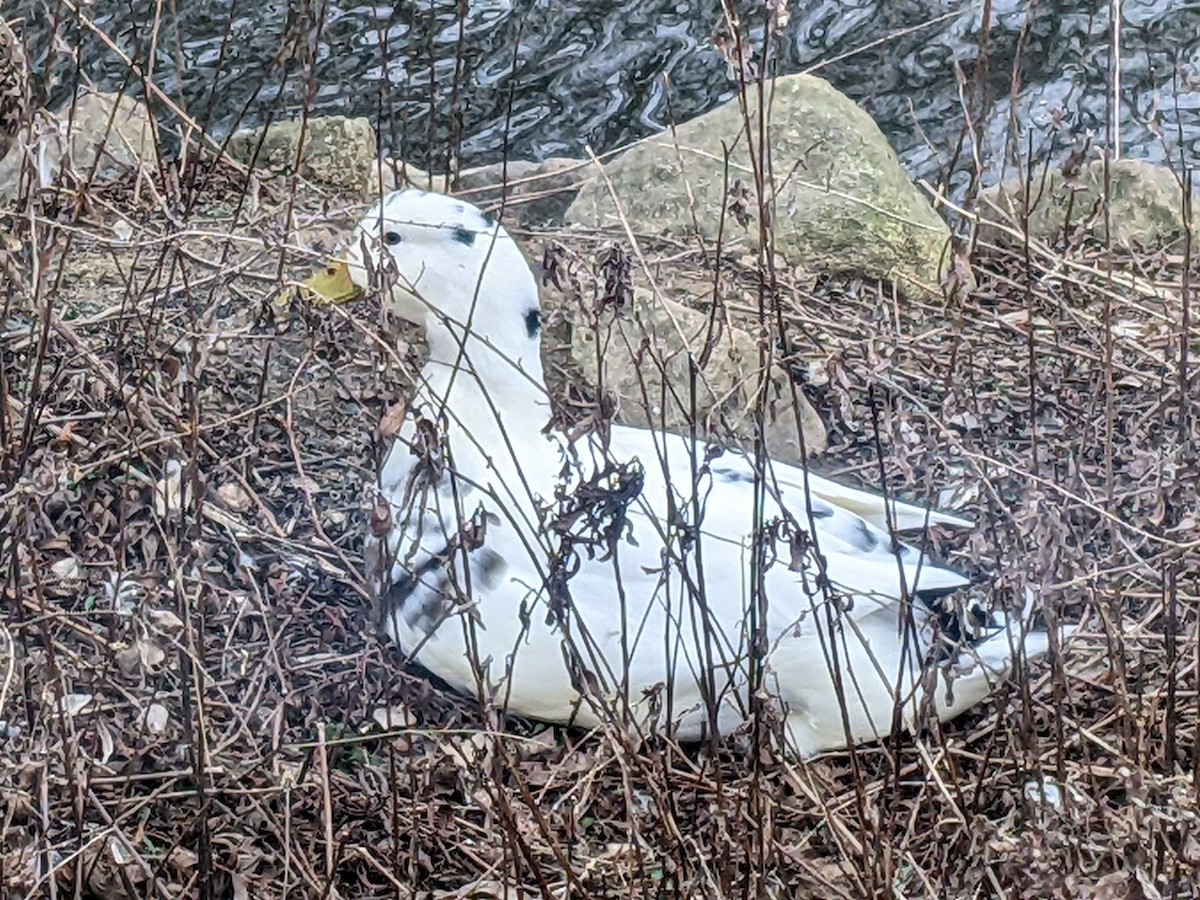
[101,135]
[842,201]
[13,75]
[534,193]
[646,360]
[339,152]
[1145,205]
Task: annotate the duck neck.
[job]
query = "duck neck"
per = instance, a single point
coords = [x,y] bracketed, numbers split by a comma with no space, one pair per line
[489,392]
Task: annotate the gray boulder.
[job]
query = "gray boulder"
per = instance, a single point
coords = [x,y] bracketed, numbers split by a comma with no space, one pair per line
[649,345]
[533,193]
[14,75]
[110,133]
[842,201]
[339,152]
[1145,205]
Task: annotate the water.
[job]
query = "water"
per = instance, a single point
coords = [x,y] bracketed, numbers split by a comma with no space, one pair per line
[602,73]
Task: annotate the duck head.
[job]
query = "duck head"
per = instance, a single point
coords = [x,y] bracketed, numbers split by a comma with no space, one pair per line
[441,263]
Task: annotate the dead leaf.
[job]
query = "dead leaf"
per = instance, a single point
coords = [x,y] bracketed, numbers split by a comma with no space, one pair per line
[120,853]
[183,860]
[169,493]
[107,744]
[395,716]
[234,496]
[128,658]
[156,718]
[152,656]
[306,484]
[66,569]
[392,420]
[165,619]
[75,703]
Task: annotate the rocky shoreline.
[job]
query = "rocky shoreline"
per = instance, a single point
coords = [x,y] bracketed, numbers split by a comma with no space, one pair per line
[842,206]
[841,202]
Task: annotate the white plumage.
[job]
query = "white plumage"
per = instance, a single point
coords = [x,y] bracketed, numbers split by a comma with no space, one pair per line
[587,585]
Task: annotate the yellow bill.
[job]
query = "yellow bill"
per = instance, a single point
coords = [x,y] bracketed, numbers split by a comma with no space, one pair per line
[331,284]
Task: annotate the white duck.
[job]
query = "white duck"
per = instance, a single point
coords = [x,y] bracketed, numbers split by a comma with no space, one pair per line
[616,583]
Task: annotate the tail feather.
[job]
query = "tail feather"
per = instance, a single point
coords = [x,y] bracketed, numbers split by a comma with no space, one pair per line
[994,657]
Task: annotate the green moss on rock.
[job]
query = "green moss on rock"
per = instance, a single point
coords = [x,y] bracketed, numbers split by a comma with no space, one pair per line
[843,202]
[339,152]
[1145,205]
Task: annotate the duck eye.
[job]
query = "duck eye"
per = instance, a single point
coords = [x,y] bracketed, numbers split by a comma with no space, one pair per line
[392,238]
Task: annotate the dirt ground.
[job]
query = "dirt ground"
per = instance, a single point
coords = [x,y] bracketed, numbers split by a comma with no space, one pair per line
[195,700]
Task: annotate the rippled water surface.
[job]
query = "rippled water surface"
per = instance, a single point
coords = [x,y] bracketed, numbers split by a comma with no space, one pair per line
[547,77]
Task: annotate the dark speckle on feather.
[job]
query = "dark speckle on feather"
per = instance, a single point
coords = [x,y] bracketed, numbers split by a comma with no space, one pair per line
[733,475]
[421,604]
[821,511]
[491,566]
[405,585]
[867,541]
[464,235]
[533,322]
[422,595]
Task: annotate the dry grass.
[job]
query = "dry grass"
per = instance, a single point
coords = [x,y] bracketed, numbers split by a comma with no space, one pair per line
[195,700]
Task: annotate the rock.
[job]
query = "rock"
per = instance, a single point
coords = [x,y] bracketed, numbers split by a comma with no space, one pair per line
[14,81]
[649,343]
[339,152]
[396,173]
[122,146]
[537,193]
[112,132]
[844,203]
[1145,203]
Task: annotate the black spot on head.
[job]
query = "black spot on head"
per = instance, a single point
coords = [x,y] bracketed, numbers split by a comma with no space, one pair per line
[487,221]
[464,235]
[533,322]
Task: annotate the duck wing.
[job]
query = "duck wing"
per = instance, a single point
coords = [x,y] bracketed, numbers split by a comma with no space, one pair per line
[826,531]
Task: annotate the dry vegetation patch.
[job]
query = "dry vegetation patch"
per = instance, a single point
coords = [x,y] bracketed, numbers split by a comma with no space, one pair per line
[194,697]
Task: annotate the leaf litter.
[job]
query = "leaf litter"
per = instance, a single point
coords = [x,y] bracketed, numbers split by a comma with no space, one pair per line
[189,638]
